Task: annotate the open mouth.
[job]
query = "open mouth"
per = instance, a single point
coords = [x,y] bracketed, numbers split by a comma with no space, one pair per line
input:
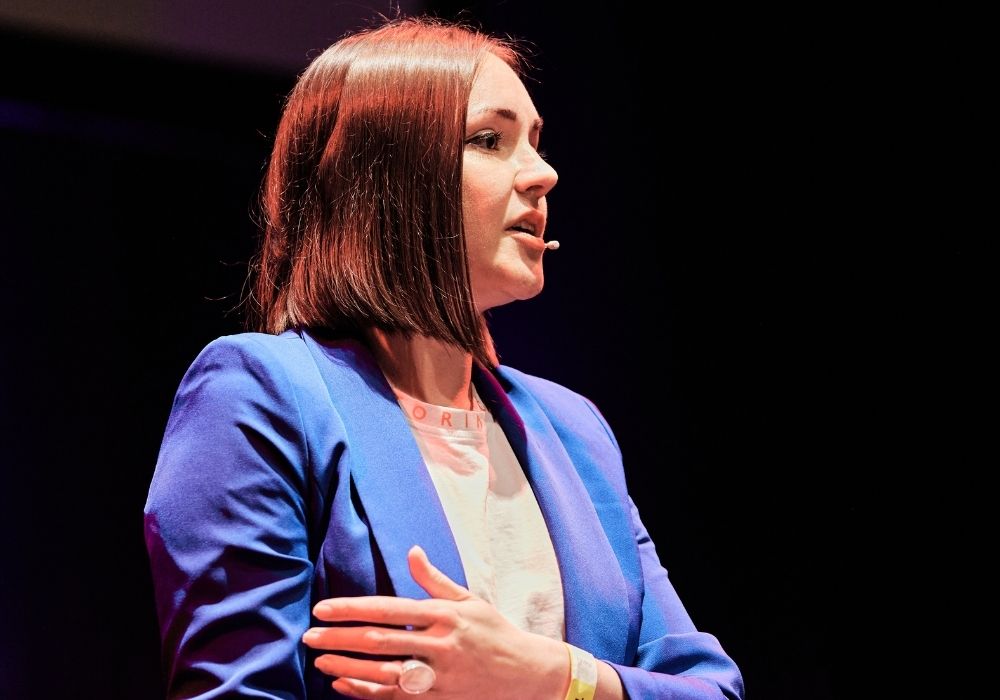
[523,228]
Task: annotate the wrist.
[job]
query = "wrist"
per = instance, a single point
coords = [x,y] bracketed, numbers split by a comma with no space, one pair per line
[543,667]
[582,674]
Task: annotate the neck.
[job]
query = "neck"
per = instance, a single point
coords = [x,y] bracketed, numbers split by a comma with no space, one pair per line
[425,368]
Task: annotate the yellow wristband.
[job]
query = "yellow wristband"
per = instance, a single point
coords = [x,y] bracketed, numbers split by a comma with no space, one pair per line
[583,674]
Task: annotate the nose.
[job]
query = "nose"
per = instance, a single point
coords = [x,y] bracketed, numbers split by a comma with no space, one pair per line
[535,177]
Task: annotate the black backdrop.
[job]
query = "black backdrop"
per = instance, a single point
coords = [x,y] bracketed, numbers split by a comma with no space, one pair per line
[724,293]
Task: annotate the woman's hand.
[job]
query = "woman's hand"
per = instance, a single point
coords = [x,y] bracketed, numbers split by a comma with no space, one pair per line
[474,650]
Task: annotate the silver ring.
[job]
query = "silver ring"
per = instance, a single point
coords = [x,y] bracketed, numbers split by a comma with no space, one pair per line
[416,677]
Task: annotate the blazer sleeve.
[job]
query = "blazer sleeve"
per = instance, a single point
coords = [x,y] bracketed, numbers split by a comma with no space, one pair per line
[226,529]
[674,660]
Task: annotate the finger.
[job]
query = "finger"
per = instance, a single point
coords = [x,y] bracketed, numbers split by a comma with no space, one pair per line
[380,641]
[363,689]
[431,579]
[381,672]
[361,638]
[384,610]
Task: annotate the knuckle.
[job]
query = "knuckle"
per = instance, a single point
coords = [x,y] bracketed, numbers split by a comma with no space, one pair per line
[459,619]
[452,617]
[451,646]
[378,641]
[388,672]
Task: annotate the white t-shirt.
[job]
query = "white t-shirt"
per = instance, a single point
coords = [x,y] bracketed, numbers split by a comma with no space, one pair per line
[499,530]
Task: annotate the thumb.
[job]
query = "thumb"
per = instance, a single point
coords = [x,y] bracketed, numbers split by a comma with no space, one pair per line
[431,579]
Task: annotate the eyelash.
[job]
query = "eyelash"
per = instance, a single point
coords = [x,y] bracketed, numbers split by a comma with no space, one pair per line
[479,138]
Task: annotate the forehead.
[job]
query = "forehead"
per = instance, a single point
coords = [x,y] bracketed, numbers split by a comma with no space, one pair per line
[497,85]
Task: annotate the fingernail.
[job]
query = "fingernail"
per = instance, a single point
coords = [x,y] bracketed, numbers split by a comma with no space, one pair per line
[323,609]
[311,636]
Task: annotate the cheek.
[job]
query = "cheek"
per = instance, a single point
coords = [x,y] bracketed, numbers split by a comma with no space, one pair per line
[484,200]
[471,203]
[477,227]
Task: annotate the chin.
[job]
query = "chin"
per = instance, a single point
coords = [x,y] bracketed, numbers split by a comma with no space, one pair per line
[537,288]
[529,292]
[527,281]
[521,292]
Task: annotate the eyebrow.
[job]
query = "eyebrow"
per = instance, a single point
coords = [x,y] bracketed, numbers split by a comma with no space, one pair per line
[510,114]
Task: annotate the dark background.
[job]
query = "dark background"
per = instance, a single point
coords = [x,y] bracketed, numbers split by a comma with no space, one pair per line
[755,286]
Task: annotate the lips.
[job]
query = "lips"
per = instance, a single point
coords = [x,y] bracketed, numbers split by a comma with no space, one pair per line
[524,228]
[532,223]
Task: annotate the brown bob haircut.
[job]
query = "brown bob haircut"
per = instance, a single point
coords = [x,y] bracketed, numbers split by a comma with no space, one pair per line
[362,200]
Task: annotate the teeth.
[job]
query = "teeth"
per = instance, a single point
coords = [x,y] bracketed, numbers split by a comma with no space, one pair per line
[524,227]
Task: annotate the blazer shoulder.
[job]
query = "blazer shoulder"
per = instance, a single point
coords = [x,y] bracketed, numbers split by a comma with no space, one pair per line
[263,347]
[259,354]
[257,368]
[318,374]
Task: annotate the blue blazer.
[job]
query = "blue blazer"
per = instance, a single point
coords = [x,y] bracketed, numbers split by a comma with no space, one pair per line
[288,474]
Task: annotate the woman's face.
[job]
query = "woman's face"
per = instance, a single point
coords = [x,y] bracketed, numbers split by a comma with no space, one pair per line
[504,183]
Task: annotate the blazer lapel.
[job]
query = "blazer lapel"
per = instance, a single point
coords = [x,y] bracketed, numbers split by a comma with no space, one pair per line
[594,589]
[403,508]
[399,498]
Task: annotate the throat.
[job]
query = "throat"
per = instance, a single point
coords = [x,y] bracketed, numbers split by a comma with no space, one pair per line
[427,369]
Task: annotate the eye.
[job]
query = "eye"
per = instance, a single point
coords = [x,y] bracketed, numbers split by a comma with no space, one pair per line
[490,140]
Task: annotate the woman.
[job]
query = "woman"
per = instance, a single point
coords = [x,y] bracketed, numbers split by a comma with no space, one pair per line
[360,501]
